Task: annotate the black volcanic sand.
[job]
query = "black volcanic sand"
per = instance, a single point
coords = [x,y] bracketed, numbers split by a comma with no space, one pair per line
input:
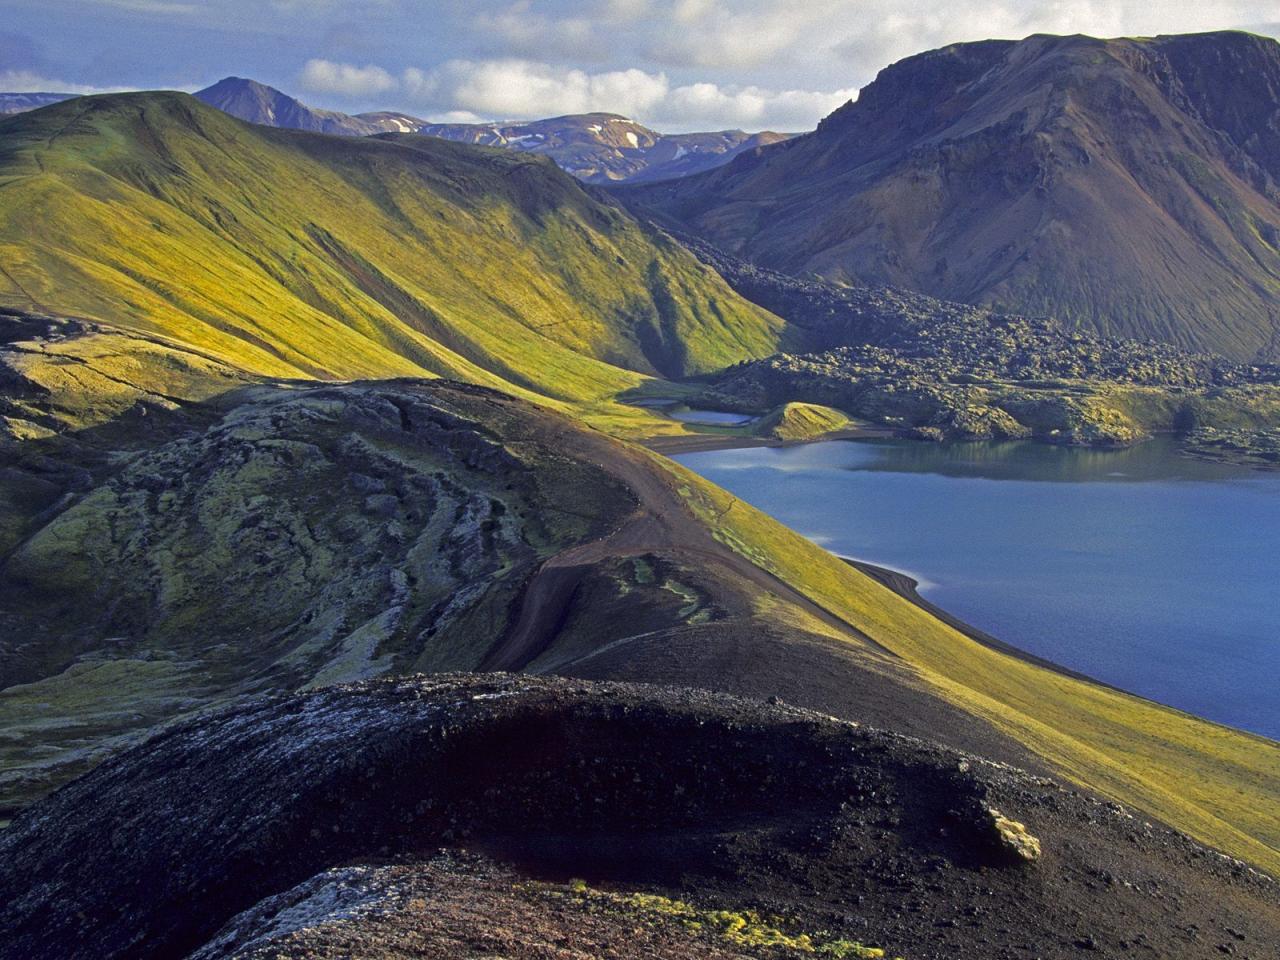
[723,802]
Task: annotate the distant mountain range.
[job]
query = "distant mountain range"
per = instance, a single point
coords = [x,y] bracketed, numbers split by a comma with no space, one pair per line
[1128,186]
[605,147]
[595,147]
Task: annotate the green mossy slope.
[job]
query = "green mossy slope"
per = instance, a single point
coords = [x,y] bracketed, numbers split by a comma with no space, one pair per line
[293,254]
[801,421]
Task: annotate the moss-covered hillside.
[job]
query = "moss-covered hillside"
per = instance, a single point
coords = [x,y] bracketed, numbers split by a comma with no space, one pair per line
[294,254]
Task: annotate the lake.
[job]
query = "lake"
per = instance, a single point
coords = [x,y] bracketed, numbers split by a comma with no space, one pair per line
[711,418]
[1140,567]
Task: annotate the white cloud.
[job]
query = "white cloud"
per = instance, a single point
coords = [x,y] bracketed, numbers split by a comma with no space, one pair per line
[810,40]
[522,89]
[419,85]
[869,34]
[708,33]
[623,10]
[457,116]
[686,64]
[519,29]
[706,105]
[348,80]
[28,81]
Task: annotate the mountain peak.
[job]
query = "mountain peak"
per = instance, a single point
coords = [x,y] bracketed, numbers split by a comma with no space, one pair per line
[257,102]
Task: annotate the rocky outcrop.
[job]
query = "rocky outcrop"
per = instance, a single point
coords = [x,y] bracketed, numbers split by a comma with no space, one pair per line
[1255,448]
[943,370]
[300,535]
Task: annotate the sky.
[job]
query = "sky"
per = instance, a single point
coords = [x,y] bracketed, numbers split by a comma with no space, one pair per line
[676,65]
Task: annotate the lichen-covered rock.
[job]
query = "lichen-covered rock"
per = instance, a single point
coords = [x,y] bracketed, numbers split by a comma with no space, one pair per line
[1013,837]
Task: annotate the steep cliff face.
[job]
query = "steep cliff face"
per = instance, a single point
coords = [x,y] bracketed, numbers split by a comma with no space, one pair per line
[1127,186]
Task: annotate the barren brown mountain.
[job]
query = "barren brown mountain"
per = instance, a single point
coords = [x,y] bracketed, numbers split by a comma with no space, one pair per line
[1129,186]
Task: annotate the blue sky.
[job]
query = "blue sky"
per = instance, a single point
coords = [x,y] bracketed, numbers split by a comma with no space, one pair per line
[675,64]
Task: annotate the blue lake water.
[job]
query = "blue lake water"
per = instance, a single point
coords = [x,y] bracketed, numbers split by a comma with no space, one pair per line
[711,417]
[1139,567]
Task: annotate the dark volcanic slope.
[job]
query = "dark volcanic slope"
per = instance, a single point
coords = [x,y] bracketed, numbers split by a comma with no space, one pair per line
[221,536]
[951,370]
[848,833]
[1127,186]
[975,340]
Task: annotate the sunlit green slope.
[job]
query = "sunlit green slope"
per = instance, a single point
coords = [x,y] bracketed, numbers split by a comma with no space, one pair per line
[294,254]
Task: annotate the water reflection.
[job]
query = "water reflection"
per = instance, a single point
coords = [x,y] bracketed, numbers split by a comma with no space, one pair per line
[1157,459]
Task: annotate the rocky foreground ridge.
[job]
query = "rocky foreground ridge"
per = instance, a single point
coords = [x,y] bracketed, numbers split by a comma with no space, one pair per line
[360,819]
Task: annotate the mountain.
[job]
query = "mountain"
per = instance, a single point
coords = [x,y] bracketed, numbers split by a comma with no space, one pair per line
[179,534]
[943,370]
[257,103]
[598,147]
[1129,186]
[22,102]
[287,253]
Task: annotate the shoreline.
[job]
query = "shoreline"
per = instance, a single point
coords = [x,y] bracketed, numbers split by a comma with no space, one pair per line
[676,444]
[907,587]
[903,584]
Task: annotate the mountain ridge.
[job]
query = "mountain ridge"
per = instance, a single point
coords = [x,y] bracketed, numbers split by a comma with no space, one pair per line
[603,148]
[256,102]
